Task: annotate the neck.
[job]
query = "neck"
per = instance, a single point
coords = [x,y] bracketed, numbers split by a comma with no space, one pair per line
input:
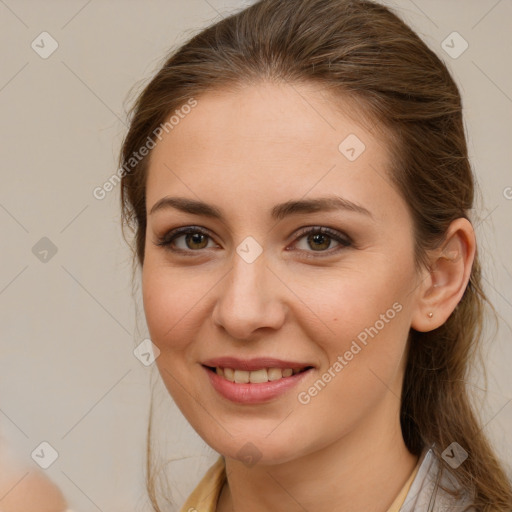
[363,470]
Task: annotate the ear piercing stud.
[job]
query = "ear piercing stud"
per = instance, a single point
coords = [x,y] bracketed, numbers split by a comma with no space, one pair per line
[430,315]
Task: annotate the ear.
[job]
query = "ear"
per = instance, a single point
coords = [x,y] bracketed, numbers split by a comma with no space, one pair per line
[445,281]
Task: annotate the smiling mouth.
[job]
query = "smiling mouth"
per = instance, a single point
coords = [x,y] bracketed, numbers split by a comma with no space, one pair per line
[256,376]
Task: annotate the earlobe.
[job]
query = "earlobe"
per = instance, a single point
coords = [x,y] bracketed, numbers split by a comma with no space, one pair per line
[448,276]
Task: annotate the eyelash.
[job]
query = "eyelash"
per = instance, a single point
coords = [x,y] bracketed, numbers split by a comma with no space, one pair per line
[344,241]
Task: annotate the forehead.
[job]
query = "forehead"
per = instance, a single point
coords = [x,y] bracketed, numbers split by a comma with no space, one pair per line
[299,114]
[283,138]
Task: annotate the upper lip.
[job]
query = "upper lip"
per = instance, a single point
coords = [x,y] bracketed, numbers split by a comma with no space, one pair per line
[252,364]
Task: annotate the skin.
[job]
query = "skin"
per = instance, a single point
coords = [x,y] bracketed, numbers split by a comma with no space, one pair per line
[25,489]
[245,151]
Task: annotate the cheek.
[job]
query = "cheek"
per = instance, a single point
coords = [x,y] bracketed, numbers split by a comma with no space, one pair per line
[351,301]
[364,335]
[360,321]
[169,297]
[171,300]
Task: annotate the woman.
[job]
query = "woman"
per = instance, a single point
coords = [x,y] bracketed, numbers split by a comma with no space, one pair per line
[298,183]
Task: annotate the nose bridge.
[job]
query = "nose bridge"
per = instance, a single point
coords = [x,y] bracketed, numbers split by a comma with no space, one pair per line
[246,282]
[248,299]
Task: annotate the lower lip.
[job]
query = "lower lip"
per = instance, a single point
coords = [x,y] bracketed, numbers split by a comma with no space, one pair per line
[253,393]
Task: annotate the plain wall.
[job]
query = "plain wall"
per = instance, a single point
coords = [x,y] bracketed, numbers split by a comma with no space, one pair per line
[68,375]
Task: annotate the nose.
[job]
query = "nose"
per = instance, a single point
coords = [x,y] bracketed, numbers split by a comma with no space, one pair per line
[250,300]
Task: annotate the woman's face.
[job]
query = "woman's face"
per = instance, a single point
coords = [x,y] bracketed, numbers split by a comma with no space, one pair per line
[298,256]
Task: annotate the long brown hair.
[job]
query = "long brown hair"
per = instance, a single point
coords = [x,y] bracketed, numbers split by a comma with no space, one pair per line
[362,51]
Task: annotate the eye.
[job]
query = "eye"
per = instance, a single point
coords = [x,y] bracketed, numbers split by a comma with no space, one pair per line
[321,239]
[186,239]
[312,239]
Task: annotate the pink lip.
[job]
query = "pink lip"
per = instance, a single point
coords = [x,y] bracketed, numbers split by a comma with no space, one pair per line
[253,364]
[253,393]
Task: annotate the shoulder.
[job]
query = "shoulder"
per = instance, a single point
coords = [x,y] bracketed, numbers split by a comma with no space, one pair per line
[205,496]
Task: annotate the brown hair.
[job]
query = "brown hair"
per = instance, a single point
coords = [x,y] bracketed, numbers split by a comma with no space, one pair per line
[364,52]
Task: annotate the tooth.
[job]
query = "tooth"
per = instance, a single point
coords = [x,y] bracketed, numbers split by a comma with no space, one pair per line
[229,373]
[274,373]
[257,376]
[241,376]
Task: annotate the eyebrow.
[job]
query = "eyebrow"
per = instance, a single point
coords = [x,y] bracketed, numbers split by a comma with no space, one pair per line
[279,212]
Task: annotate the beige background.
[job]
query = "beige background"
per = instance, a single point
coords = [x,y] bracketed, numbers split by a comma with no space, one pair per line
[68,375]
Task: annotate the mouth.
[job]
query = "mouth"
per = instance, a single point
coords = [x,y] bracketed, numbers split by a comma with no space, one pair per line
[254,381]
[258,376]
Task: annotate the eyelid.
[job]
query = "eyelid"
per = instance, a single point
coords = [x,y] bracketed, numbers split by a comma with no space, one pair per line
[170,236]
[306,230]
[341,238]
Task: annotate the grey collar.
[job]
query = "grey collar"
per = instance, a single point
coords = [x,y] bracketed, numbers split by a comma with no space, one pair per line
[425,493]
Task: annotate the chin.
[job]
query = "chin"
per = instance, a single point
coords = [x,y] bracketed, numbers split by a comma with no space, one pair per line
[252,449]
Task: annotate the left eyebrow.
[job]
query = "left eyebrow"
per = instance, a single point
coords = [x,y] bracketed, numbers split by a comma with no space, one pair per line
[278,212]
[329,203]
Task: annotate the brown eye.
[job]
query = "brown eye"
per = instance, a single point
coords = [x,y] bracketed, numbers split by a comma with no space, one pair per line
[188,239]
[196,241]
[322,240]
[319,241]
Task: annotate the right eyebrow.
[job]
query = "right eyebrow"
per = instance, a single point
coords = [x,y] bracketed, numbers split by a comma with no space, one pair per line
[188,206]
